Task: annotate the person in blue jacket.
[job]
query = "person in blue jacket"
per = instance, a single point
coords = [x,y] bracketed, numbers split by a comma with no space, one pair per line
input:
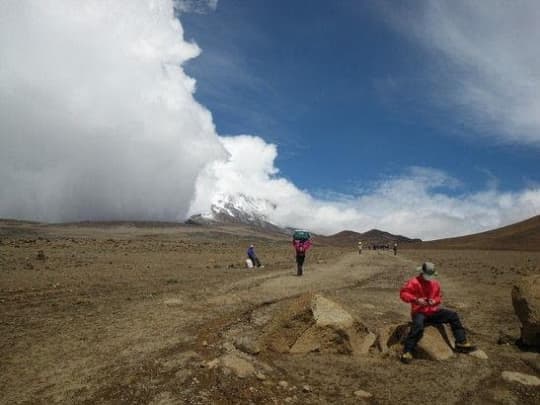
[251,254]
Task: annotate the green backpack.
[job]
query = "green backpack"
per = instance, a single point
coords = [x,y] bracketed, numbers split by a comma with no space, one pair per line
[301,235]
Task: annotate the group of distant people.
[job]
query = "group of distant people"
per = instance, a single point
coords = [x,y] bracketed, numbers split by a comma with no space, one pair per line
[422,292]
[375,246]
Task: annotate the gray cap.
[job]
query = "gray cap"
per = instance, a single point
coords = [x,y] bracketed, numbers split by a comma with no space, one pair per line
[428,270]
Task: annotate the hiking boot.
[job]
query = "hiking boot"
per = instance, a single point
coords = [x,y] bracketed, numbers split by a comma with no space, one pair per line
[465,347]
[406,357]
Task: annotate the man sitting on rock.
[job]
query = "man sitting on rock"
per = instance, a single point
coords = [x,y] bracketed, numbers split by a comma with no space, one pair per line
[424,295]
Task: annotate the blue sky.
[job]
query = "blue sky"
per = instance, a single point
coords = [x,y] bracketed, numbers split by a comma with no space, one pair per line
[417,118]
[348,97]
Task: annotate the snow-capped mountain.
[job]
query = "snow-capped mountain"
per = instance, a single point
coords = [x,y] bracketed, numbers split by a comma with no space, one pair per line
[238,208]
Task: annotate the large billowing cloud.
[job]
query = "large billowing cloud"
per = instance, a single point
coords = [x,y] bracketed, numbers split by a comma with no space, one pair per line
[485,61]
[98,121]
[416,204]
[97,117]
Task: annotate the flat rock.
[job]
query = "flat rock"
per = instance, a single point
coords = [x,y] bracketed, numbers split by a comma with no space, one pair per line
[362,394]
[479,354]
[330,313]
[173,302]
[239,366]
[521,378]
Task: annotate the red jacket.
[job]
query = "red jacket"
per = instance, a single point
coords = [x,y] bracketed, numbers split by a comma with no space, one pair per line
[301,246]
[418,287]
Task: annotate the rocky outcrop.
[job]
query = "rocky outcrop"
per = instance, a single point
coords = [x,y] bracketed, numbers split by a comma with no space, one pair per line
[315,323]
[526,302]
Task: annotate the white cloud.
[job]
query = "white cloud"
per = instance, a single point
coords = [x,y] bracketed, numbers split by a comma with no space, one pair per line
[98,121]
[413,204]
[196,6]
[97,117]
[488,53]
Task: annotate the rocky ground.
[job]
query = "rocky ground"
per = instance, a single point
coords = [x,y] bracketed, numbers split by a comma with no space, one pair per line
[157,314]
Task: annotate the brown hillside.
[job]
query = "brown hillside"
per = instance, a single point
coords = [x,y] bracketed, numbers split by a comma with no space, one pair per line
[372,237]
[524,235]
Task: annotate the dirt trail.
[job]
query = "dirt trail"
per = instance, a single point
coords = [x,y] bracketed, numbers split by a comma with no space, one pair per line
[350,270]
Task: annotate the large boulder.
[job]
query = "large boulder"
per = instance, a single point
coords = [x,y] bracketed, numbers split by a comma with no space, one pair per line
[315,323]
[526,302]
[435,344]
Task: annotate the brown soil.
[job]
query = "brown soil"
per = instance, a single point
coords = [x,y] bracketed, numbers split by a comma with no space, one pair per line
[131,313]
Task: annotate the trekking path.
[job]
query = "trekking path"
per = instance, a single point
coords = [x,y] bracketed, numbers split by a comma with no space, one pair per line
[349,271]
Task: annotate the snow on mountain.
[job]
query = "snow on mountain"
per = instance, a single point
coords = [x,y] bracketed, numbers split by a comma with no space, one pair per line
[238,208]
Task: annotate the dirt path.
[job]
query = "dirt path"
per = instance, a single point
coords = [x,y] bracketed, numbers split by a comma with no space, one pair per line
[348,271]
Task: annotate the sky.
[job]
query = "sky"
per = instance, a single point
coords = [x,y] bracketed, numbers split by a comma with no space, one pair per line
[417,118]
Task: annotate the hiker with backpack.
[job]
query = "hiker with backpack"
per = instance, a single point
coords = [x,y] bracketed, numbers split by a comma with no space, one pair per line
[301,243]
[424,295]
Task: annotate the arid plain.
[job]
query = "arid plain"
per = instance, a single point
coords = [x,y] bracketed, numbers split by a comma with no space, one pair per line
[139,314]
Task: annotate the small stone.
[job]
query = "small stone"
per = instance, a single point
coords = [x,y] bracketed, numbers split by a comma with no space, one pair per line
[362,394]
[173,302]
[479,354]
[260,376]
[288,400]
[247,345]
[212,364]
[306,388]
[205,343]
[525,379]
[283,384]
[239,366]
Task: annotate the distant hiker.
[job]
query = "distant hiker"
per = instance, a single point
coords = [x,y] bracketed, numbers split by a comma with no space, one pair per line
[301,247]
[424,295]
[252,256]
[360,247]
[301,242]
[395,248]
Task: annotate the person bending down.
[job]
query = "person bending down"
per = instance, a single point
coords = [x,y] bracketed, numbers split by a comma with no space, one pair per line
[251,255]
[424,295]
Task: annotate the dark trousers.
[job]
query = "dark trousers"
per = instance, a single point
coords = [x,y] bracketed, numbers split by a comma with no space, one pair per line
[255,261]
[439,317]
[299,264]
